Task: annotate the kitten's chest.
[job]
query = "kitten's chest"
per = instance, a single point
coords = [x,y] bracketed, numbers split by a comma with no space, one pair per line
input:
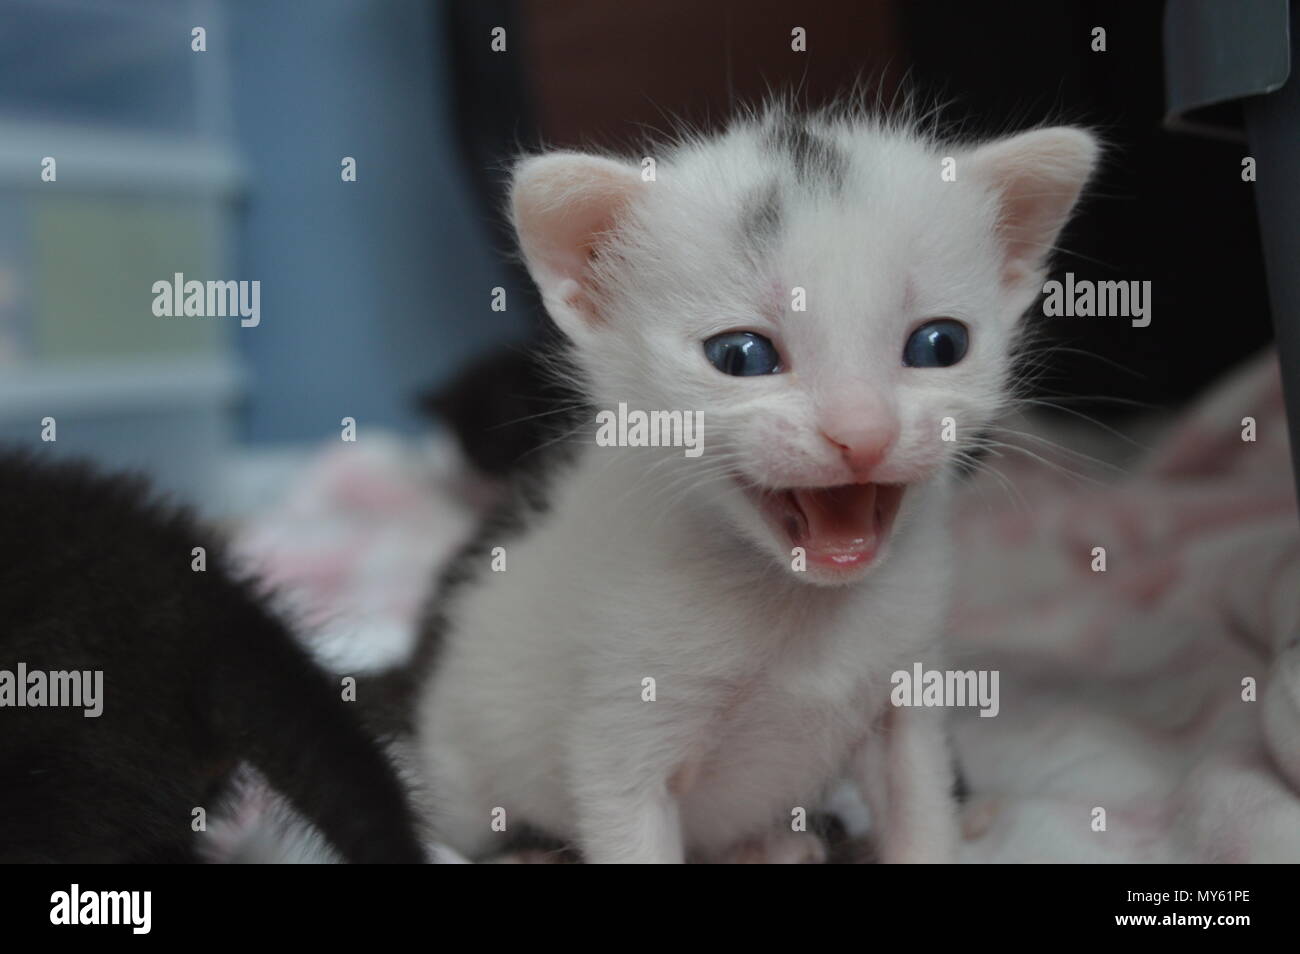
[765,751]
[762,716]
[781,730]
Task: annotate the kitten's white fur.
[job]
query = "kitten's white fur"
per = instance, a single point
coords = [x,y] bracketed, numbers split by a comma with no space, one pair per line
[770,683]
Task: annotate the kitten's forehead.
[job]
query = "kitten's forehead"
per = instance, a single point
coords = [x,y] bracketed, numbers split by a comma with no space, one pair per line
[854,211]
[818,181]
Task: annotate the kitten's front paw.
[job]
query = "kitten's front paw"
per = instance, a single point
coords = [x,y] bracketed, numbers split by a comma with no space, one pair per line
[777,848]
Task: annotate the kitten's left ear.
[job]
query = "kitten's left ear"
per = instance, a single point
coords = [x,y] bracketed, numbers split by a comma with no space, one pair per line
[1037,177]
[564,206]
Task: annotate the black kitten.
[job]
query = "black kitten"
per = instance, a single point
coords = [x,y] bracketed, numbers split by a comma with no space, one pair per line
[509,404]
[197,674]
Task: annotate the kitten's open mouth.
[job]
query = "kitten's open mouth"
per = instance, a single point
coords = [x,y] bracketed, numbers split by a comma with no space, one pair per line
[838,527]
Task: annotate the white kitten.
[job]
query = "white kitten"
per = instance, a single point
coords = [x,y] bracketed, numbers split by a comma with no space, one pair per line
[823,436]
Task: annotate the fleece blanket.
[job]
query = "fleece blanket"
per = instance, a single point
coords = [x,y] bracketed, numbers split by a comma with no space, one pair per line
[1144,624]
[1164,689]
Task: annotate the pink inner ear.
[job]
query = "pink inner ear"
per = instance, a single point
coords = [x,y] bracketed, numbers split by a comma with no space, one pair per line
[577,237]
[1034,208]
[564,206]
[1038,176]
[1024,242]
[576,241]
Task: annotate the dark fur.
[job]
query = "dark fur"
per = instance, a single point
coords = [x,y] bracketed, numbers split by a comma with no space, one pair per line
[816,160]
[390,696]
[503,407]
[198,675]
[760,220]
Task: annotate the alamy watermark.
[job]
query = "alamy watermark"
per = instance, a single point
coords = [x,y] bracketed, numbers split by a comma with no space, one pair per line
[74,906]
[37,688]
[1084,298]
[633,428]
[949,688]
[195,299]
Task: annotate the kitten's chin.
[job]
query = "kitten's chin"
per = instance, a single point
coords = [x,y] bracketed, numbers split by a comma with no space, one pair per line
[833,534]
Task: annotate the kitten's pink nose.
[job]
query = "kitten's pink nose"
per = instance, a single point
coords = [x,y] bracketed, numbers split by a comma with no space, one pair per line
[863,434]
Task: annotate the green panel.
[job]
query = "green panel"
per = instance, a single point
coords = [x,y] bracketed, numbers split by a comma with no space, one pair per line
[95,261]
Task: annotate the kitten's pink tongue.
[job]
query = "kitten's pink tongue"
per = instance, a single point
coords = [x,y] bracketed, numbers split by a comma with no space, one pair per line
[839,518]
[844,526]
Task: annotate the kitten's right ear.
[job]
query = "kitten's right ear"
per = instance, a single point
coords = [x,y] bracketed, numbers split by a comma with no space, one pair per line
[563,205]
[1037,177]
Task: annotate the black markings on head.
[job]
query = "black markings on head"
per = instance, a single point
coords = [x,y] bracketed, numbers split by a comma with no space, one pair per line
[760,219]
[816,160]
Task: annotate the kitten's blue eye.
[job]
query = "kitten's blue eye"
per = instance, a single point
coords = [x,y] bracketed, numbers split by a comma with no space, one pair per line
[742,353]
[936,344]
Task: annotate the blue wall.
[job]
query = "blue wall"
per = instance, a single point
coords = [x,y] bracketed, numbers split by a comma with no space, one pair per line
[371,290]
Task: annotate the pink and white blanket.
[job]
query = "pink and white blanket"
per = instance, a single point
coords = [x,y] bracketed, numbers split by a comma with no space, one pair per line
[1127,690]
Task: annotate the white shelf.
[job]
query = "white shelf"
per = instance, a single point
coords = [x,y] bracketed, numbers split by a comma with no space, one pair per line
[115,160]
[112,387]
